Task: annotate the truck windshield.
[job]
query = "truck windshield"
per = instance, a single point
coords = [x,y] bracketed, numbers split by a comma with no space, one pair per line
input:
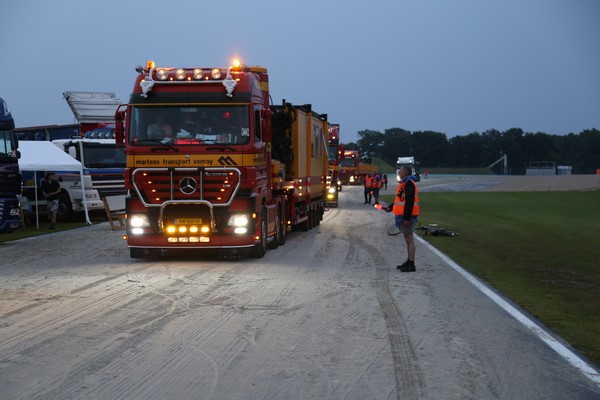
[348,162]
[102,155]
[203,125]
[332,152]
[7,149]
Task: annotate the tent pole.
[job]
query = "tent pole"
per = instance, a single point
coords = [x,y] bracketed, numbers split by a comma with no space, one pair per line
[87,216]
[37,207]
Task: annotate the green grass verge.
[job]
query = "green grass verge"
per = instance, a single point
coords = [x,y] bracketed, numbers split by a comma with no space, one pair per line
[31,227]
[540,249]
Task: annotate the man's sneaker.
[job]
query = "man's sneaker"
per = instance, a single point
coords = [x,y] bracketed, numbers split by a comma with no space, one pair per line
[407,267]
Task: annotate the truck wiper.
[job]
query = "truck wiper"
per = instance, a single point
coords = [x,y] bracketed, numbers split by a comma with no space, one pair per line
[162,148]
[220,148]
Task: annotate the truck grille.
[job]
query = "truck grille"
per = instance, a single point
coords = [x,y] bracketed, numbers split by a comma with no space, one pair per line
[215,185]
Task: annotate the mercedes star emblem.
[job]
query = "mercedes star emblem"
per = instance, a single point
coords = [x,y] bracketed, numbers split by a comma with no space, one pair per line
[187,185]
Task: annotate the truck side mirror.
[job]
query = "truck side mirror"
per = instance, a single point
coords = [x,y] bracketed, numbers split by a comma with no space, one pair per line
[266,124]
[120,127]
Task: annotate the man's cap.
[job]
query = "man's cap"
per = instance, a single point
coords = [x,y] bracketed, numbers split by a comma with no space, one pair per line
[50,174]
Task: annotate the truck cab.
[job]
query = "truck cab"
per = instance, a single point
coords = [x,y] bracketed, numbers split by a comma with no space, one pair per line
[10,177]
[410,162]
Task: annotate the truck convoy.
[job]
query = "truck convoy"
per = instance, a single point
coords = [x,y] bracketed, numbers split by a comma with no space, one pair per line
[409,161]
[10,178]
[212,165]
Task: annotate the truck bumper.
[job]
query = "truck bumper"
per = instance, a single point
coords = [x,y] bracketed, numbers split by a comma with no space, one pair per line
[191,242]
[10,218]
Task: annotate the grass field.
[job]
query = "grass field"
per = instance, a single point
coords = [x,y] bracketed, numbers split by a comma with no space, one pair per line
[540,249]
[31,228]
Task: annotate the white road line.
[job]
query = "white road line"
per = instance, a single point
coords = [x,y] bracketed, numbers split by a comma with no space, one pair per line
[558,347]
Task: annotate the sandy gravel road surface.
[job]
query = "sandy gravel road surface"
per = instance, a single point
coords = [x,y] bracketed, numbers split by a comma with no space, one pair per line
[327,316]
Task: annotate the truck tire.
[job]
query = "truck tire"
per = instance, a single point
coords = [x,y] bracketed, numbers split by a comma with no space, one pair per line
[274,243]
[65,209]
[319,213]
[284,226]
[311,218]
[259,249]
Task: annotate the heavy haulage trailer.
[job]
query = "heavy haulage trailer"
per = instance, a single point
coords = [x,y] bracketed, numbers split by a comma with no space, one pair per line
[211,164]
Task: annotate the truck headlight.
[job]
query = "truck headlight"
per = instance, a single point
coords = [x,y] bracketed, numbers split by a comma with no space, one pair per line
[240,223]
[332,190]
[180,74]
[198,73]
[215,73]
[162,74]
[238,220]
[139,221]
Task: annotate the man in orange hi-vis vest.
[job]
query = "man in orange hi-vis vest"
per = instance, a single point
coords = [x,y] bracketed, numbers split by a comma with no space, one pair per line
[406,210]
[368,186]
[376,185]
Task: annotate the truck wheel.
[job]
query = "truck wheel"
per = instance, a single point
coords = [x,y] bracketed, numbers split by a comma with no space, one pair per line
[273,244]
[259,249]
[319,214]
[65,209]
[284,227]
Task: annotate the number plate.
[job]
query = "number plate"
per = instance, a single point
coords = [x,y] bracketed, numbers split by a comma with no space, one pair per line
[188,221]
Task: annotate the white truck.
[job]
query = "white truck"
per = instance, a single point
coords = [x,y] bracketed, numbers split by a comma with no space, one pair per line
[103,165]
[408,161]
[92,143]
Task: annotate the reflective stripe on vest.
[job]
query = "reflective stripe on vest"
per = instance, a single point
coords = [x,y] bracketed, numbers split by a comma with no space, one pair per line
[400,200]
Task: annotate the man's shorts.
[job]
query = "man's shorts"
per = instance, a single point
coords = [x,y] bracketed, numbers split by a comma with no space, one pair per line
[53,205]
[410,228]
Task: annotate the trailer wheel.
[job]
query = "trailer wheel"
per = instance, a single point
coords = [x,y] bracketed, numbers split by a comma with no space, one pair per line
[284,227]
[274,243]
[259,249]
[320,212]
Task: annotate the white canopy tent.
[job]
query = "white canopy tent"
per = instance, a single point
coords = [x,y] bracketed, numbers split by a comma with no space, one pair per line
[45,156]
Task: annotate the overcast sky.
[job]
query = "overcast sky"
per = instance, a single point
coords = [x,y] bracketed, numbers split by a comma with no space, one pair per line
[451,66]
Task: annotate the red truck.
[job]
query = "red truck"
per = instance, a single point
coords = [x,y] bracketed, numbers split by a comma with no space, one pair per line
[336,155]
[211,164]
[349,168]
[354,168]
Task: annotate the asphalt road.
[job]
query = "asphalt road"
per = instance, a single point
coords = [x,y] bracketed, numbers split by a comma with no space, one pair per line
[327,316]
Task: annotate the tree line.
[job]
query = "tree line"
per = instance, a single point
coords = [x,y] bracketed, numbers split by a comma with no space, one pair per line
[481,150]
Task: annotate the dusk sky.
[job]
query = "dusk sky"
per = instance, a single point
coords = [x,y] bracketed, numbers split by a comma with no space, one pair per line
[454,67]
